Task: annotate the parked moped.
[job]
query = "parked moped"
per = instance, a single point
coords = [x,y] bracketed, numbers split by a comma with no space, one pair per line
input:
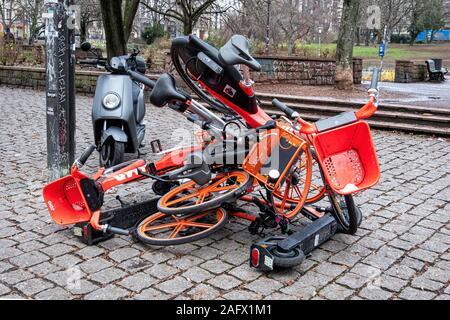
[118,110]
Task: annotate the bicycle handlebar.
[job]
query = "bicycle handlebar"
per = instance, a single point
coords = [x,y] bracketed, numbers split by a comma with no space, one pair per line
[291,114]
[86,154]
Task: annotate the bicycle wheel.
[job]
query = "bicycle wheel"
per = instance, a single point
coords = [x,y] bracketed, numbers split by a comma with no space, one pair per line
[346,213]
[190,198]
[160,229]
[293,191]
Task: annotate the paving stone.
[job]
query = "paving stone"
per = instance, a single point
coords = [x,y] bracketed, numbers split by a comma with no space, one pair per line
[235,257]
[4,290]
[161,271]
[207,253]
[81,287]
[401,271]
[197,274]
[44,268]
[110,292]
[32,286]
[423,255]
[122,254]
[9,252]
[391,283]
[158,257]
[415,294]
[224,282]
[352,280]
[5,266]
[90,252]
[300,291]
[106,276]
[175,286]
[151,294]
[335,292]
[264,286]
[280,296]
[330,269]
[203,292]
[54,294]
[242,295]
[216,266]
[56,250]
[137,282]
[424,283]
[373,293]
[15,276]
[186,262]
[94,265]
[66,261]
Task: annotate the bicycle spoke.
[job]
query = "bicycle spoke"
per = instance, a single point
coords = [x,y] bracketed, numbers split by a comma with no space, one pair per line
[190,196]
[162,226]
[176,231]
[198,225]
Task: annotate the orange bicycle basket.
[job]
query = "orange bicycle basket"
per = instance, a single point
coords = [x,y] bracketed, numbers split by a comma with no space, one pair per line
[65,201]
[277,149]
[348,158]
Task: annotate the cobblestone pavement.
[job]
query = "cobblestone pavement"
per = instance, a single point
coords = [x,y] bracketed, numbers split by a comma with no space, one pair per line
[400,252]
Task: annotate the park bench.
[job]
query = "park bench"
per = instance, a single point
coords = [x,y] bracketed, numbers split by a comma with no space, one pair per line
[436,75]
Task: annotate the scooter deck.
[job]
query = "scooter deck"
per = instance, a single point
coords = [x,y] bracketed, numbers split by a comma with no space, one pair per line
[311,236]
[307,239]
[126,217]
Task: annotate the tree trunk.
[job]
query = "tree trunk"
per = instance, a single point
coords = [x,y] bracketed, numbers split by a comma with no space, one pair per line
[130,9]
[83,31]
[346,38]
[290,45]
[188,26]
[113,25]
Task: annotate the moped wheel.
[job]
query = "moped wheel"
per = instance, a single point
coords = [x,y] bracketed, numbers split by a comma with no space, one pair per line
[347,214]
[160,229]
[190,198]
[112,153]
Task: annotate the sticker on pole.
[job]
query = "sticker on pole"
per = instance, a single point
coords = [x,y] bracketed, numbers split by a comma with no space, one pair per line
[382,50]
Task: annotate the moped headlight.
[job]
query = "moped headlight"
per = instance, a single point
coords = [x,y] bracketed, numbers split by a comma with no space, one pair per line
[111,101]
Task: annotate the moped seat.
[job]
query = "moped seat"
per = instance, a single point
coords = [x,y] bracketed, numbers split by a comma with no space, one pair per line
[236,51]
[165,91]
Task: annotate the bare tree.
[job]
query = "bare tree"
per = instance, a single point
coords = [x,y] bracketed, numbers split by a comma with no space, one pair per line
[9,11]
[32,10]
[295,20]
[90,12]
[188,12]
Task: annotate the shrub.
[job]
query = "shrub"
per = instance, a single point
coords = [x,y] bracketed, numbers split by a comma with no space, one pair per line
[151,33]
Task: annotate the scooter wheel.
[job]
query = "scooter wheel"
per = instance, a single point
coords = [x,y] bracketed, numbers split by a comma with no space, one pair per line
[289,259]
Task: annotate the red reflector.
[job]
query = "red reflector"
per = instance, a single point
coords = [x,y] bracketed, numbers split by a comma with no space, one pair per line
[255,257]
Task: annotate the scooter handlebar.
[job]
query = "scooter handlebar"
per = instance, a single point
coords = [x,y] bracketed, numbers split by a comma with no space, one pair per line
[375,78]
[141,78]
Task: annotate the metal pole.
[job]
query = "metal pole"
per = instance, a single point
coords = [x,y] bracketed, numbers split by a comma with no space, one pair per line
[268,27]
[60,87]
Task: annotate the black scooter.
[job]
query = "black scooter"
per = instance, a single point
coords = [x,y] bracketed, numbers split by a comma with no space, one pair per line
[118,109]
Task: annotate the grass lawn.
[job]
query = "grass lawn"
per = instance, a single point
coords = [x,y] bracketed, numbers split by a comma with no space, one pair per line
[395,51]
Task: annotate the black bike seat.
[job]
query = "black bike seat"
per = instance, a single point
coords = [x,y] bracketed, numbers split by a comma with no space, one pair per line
[165,90]
[236,51]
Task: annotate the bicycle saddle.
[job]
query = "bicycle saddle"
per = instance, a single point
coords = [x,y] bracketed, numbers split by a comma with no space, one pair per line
[165,90]
[236,51]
